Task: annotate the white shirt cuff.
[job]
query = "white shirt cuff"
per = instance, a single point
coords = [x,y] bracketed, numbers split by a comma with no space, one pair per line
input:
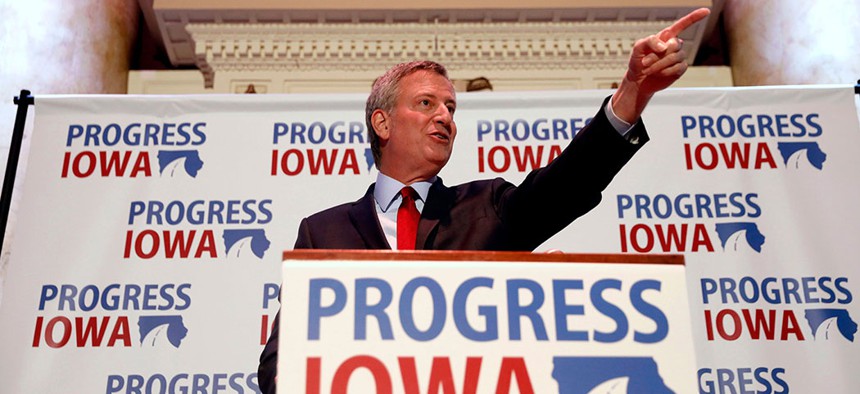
[617,123]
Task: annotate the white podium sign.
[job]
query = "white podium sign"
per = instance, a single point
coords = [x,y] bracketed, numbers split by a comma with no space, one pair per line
[350,326]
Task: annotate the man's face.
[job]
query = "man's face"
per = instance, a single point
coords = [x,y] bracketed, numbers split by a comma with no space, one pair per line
[417,136]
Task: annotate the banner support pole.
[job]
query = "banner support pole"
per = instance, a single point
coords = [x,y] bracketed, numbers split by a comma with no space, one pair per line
[23,101]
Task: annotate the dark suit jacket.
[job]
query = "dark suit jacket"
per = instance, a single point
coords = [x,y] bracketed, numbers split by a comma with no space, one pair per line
[481,215]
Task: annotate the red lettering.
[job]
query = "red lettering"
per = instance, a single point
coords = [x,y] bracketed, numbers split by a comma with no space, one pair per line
[736,323]
[441,376]
[142,164]
[90,331]
[65,171]
[526,159]
[114,163]
[790,326]
[670,238]
[312,377]
[207,245]
[90,167]
[623,232]
[120,332]
[349,162]
[322,160]
[285,162]
[514,367]
[274,162]
[735,155]
[127,249]
[700,159]
[763,155]
[554,151]
[634,238]
[109,163]
[49,331]
[760,323]
[688,157]
[147,244]
[701,238]
[177,243]
[340,382]
[709,326]
[154,244]
[506,159]
[37,333]
[264,330]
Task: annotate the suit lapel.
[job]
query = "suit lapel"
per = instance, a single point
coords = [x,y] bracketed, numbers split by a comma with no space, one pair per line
[363,217]
[440,199]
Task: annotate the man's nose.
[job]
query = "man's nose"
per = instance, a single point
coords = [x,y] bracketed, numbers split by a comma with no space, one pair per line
[444,116]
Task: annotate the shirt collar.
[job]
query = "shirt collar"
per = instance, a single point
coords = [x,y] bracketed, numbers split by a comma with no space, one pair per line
[387,190]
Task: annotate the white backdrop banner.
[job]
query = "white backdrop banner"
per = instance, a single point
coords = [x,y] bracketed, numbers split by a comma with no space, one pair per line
[147,253]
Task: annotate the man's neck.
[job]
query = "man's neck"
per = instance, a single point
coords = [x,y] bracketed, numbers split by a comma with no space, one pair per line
[408,179]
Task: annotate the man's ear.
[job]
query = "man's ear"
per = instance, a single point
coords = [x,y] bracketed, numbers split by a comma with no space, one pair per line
[379,120]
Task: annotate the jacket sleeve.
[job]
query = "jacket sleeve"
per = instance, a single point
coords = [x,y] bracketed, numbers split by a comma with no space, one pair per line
[550,198]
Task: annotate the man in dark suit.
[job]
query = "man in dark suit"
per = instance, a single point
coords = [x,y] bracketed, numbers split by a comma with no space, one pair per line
[410,123]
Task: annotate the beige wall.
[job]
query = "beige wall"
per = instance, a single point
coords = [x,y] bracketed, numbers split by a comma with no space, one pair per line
[787,42]
[60,46]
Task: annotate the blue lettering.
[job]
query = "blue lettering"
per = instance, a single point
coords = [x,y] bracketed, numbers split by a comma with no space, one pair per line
[167,133]
[624,203]
[280,130]
[49,292]
[107,138]
[563,310]
[149,296]
[650,311]
[709,287]
[67,296]
[559,129]
[321,131]
[489,313]
[406,308]
[363,309]
[75,131]
[847,293]
[687,123]
[816,126]
[484,128]
[316,311]
[522,126]
[516,310]
[609,310]
[729,130]
[271,292]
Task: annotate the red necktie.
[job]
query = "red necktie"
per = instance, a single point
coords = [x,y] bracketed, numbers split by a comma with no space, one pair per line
[407,220]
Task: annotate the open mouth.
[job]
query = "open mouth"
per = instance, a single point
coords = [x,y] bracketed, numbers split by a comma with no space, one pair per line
[440,136]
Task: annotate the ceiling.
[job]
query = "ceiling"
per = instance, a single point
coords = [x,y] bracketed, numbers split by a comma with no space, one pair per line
[216,35]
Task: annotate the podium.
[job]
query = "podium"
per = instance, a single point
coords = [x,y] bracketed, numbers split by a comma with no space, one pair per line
[484,322]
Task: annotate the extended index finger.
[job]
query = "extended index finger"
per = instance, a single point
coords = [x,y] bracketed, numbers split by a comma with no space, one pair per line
[683,23]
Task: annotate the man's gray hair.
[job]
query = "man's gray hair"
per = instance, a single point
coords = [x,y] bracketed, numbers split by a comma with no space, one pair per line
[384,94]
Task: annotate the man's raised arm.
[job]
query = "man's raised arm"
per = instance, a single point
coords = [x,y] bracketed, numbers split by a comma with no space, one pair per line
[656,62]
